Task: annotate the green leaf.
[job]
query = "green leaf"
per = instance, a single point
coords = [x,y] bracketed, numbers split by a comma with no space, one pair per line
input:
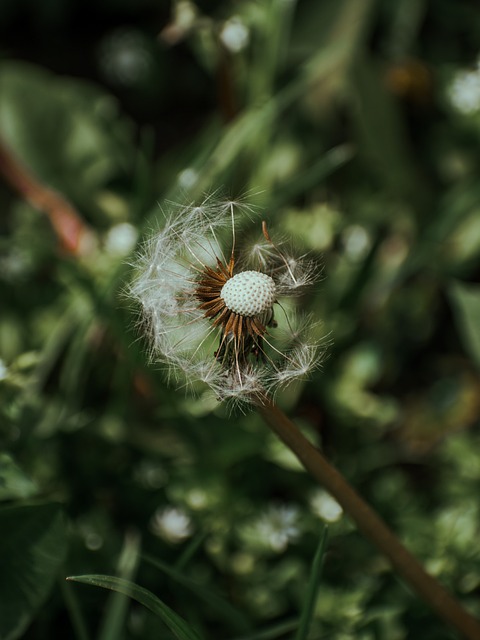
[116,607]
[181,629]
[336,45]
[466,304]
[312,589]
[380,128]
[14,483]
[271,633]
[221,606]
[32,548]
[60,128]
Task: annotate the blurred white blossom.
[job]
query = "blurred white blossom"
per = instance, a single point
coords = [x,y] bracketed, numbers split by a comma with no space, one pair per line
[234,34]
[3,370]
[172,524]
[124,57]
[356,242]
[121,239]
[275,528]
[187,178]
[15,265]
[326,507]
[464,91]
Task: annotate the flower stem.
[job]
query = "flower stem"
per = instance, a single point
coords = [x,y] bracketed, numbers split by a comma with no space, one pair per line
[369,522]
[76,237]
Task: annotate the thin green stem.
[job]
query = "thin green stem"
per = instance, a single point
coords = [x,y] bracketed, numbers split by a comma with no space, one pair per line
[76,616]
[369,522]
[312,590]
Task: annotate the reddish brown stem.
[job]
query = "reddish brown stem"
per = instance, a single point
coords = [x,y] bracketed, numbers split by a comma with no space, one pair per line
[369,522]
[74,234]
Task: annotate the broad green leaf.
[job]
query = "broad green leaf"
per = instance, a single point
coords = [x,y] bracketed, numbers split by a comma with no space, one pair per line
[181,629]
[466,304]
[32,548]
[14,483]
[60,128]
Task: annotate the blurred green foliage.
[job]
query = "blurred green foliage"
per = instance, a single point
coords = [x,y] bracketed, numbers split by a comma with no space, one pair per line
[355,125]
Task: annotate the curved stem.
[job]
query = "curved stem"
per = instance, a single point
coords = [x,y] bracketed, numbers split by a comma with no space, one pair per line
[369,522]
[75,235]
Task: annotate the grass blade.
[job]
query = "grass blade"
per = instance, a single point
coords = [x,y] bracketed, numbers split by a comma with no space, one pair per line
[275,631]
[77,618]
[312,589]
[181,629]
[113,622]
[222,607]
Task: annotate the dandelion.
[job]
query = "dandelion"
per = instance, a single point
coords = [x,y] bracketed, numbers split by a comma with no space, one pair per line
[198,290]
[215,312]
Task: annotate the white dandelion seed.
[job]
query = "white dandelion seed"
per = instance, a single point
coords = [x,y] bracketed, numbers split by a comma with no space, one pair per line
[211,309]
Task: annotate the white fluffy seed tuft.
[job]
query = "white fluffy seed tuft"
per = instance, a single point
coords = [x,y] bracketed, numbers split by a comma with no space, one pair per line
[249,293]
[182,338]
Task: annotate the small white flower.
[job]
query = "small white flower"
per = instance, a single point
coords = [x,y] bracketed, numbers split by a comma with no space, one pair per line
[125,58]
[280,526]
[464,91]
[187,178]
[172,524]
[3,370]
[326,507]
[356,242]
[121,239]
[274,529]
[214,312]
[235,34]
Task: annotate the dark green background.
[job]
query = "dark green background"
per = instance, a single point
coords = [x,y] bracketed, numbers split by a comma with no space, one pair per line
[341,120]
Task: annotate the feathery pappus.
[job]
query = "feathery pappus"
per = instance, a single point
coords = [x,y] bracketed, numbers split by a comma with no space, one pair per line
[214,309]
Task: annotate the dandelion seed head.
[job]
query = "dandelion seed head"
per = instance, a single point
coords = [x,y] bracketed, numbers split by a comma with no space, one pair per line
[210,307]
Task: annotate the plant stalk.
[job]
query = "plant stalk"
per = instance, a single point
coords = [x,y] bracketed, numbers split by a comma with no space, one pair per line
[76,237]
[369,522]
